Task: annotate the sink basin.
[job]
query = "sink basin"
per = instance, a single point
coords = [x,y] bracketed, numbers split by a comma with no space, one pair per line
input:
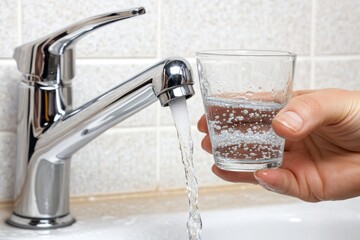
[300,221]
[278,220]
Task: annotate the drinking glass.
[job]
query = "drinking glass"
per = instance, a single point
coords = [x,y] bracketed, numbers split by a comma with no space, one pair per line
[242,91]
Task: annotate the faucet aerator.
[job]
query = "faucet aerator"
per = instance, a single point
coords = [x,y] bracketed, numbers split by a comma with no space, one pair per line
[186,91]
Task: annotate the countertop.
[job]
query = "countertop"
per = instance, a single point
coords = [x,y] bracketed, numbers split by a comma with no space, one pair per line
[100,211]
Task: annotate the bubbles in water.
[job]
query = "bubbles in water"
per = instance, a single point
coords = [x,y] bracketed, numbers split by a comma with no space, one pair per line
[245,132]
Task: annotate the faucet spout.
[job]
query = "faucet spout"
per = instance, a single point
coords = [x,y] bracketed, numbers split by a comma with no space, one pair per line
[167,80]
[49,131]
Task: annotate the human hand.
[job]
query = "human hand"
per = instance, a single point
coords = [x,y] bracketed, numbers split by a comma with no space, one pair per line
[322,150]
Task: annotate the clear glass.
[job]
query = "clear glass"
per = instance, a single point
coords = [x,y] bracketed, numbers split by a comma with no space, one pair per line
[242,91]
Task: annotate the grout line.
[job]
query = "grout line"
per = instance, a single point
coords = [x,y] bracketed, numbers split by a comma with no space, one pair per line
[170,192]
[150,61]
[152,194]
[129,129]
[158,29]
[158,108]
[328,57]
[312,44]
[7,131]
[157,154]
[7,61]
[336,57]
[115,60]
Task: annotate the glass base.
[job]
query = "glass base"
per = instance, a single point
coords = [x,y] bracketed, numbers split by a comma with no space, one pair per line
[247,165]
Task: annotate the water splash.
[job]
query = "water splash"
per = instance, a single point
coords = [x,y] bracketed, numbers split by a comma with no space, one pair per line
[182,123]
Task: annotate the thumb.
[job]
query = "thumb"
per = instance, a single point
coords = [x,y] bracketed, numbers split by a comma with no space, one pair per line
[309,110]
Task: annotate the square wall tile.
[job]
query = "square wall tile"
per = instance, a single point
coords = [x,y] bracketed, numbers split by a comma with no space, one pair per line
[86,175]
[337,74]
[302,78]
[171,168]
[117,161]
[131,162]
[7,165]
[8,27]
[135,37]
[9,79]
[190,26]
[93,79]
[337,27]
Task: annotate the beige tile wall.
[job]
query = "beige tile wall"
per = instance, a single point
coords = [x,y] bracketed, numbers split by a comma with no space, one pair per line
[141,154]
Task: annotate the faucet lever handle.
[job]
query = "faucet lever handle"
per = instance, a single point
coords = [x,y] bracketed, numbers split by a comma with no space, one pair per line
[68,36]
[42,59]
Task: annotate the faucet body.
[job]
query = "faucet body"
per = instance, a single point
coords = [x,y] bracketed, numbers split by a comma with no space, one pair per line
[50,130]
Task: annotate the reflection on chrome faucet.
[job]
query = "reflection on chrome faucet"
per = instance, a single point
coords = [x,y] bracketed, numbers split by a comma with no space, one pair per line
[50,131]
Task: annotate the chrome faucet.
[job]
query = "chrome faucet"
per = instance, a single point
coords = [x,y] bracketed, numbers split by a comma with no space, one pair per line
[49,131]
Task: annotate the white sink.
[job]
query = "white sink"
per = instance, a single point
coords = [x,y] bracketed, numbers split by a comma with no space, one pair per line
[295,221]
[300,221]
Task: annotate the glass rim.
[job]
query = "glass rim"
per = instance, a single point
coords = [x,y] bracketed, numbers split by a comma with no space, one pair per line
[243,53]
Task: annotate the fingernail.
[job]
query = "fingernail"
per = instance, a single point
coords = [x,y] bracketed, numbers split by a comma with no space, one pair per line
[262,183]
[290,120]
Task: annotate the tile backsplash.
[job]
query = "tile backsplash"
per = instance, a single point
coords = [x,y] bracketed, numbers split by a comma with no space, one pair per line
[141,153]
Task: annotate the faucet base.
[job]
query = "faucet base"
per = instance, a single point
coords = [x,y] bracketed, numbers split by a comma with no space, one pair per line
[40,223]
